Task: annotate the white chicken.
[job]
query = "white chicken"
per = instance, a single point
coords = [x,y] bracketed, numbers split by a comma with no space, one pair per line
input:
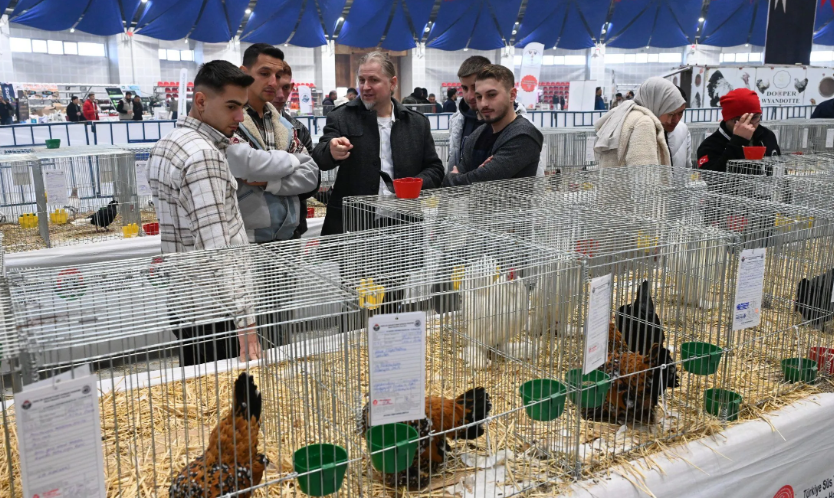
[495,306]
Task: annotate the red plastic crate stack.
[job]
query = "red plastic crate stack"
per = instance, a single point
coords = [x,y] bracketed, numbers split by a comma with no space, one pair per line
[451,84]
[172,88]
[551,88]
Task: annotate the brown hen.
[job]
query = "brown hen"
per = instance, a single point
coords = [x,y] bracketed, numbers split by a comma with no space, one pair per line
[231,461]
[442,414]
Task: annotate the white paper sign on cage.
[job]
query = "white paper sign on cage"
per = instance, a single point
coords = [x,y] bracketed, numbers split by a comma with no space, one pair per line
[142,186]
[397,357]
[596,326]
[56,186]
[59,428]
[747,309]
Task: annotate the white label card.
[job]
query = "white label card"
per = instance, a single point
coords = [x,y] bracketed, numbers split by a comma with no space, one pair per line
[397,356]
[589,149]
[805,138]
[56,186]
[596,326]
[142,186]
[747,309]
[829,138]
[59,433]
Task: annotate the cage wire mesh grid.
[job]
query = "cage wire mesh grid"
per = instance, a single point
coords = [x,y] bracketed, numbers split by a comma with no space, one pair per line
[474,287]
[157,413]
[94,197]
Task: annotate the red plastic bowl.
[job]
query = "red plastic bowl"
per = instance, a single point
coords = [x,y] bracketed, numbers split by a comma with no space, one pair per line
[311,212]
[408,188]
[151,228]
[824,358]
[754,153]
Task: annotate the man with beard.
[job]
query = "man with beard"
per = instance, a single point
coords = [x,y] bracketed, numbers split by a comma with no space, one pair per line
[373,140]
[508,146]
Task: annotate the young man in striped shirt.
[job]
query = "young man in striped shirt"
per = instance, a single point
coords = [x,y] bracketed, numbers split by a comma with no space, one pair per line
[195,196]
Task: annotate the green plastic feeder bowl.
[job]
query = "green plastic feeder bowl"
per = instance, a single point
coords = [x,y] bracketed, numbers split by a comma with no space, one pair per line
[392,447]
[722,403]
[589,390]
[799,370]
[548,396]
[53,143]
[700,358]
[323,467]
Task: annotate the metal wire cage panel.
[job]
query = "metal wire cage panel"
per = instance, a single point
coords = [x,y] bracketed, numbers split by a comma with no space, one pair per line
[142,152]
[94,197]
[474,288]
[158,410]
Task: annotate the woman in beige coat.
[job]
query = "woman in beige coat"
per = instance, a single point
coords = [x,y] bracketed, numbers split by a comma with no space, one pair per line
[634,133]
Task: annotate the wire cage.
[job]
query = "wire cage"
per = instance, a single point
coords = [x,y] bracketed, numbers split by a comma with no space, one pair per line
[93,197]
[569,148]
[155,332]
[142,152]
[474,288]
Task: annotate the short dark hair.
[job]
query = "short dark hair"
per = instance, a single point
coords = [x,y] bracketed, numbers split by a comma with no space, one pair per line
[431,95]
[473,65]
[73,97]
[619,95]
[128,93]
[451,93]
[499,73]
[251,54]
[599,88]
[215,75]
[418,90]
[353,91]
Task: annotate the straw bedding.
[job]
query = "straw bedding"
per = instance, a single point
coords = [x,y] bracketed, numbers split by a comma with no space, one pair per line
[150,433]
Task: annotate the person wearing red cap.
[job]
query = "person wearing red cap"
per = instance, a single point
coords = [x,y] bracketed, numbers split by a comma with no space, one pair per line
[742,115]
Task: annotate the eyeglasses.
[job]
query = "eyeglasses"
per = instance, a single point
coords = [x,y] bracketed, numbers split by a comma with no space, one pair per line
[756,117]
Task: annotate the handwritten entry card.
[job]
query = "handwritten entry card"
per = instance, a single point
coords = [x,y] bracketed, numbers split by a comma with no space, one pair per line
[397,352]
[596,327]
[747,309]
[59,433]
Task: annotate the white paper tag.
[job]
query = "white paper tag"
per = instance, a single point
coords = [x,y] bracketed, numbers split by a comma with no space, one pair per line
[596,326]
[142,186]
[829,138]
[56,186]
[747,309]
[805,138]
[397,356]
[589,149]
[59,438]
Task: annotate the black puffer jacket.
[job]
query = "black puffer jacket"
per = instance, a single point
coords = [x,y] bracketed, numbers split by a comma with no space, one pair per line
[723,146]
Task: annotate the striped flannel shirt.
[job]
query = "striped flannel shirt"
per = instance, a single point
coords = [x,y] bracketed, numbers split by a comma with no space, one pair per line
[195,196]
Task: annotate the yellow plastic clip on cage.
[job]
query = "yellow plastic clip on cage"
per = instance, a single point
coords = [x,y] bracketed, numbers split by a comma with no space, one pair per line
[370,295]
[28,220]
[58,217]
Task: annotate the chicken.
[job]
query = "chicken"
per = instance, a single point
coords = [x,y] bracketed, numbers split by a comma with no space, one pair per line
[813,299]
[639,323]
[231,461]
[800,85]
[443,415]
[495,306]
[105,215]
[745,77]
[762,85]
[637,382]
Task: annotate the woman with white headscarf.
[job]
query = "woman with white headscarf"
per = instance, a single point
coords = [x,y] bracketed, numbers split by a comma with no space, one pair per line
[634,132]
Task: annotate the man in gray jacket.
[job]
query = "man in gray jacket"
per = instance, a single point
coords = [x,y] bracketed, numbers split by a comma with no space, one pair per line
[125,107]
[273,167]
[508,146]
[466,119]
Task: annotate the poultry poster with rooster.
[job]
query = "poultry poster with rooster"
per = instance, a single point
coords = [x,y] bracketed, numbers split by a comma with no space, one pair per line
[775,85]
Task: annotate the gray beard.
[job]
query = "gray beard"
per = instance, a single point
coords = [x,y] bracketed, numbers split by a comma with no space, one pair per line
[369,105]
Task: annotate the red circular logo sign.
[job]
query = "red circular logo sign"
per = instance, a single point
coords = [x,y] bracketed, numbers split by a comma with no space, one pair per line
[785,492]
[528,83]
[70,284]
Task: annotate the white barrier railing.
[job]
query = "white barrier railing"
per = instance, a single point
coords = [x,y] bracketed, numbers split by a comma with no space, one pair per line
[122,132]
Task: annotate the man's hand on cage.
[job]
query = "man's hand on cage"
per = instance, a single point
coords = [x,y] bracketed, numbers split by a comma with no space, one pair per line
[250,346]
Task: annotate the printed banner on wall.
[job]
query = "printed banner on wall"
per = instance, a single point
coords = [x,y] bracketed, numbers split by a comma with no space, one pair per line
[531,66]
[790,32]
[305,100]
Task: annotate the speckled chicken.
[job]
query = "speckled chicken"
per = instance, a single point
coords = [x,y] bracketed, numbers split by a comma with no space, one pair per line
[231,461]
[443,414]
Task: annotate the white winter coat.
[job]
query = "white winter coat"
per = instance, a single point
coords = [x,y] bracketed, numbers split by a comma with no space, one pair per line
[680,146]
[641,142]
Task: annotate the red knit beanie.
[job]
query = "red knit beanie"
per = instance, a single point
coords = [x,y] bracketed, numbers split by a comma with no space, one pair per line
[738,102]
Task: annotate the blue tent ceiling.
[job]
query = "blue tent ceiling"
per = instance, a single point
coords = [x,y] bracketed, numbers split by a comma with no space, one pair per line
[400,24]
